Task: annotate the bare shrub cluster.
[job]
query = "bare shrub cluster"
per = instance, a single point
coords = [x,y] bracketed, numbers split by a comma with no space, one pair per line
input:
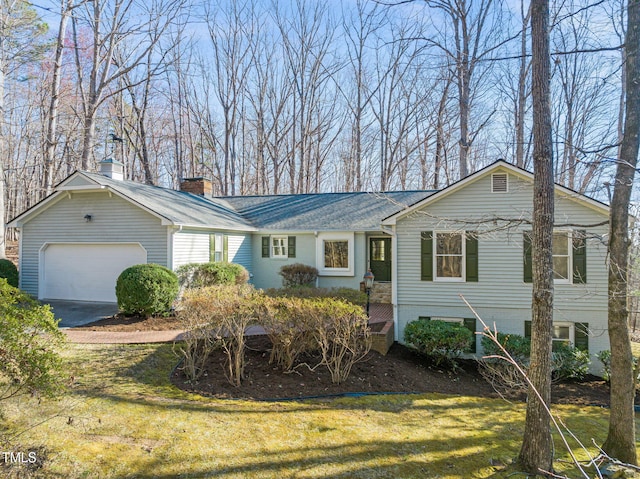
[332,330]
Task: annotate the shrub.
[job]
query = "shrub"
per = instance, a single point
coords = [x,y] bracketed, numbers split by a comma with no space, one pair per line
[569,362]
[439,340]
[200,275]
[342,334]
[146,289]
[345,294]
[9,271]
[298,274]
[518,347]
[604,357]
[30,342]
[288,323]
[224,312]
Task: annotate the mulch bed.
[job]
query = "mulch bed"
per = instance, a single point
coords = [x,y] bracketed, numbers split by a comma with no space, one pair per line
[400,371]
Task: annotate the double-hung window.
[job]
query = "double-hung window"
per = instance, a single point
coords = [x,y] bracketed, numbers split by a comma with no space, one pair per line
[449,256]
[279,247]
[569,251]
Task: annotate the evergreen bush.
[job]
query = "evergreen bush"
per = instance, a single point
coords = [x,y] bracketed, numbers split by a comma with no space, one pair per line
[202,275]
[441,341]
[146,289]
[9,271]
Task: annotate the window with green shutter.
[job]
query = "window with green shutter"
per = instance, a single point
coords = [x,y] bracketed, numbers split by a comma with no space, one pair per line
[449,256]
[563,256]
[576,334]
[218,248]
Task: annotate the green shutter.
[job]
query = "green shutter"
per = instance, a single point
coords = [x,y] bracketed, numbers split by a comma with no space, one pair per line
[527,257]
[471,248]
[265,246]
[426,256]
[470,324]
[581,336]
[225,248]
[212,248]
[579,257]
[527,329]
[291,246]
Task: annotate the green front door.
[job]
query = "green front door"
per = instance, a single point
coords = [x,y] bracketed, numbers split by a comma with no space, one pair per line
[380,258]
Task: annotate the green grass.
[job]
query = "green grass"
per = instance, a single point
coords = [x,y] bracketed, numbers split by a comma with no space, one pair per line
[123,419]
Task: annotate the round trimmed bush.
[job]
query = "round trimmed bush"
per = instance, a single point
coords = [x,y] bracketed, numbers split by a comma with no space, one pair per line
[9,271]
[146,289]
[439,340]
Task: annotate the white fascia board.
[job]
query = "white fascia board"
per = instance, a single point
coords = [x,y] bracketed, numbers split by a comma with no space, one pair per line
[248,229]
[82,188]
[50,200]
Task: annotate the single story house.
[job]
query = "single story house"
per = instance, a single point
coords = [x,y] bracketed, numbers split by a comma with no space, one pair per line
[427,247]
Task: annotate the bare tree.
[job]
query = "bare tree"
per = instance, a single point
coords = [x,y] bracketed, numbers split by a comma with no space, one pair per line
[110,23]
[620,442]
[473,33]
[536,454]
[19,27]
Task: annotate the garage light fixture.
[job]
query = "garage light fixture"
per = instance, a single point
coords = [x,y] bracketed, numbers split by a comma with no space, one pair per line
[88,218]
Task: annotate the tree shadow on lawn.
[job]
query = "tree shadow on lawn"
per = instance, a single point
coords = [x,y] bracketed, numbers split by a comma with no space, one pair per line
[371,436]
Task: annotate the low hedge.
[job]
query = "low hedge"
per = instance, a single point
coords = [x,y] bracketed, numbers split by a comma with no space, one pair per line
[202,275]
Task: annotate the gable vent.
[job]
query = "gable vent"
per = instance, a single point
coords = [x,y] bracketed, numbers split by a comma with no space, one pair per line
[499,183]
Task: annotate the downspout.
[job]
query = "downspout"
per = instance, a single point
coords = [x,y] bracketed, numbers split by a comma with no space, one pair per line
[391,231]
[171,231]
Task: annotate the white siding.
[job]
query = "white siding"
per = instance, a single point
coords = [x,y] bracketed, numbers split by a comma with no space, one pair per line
[113,220]
[500,295]
[192,246]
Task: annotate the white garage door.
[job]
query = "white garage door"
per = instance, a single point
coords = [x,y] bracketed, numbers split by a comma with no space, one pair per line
[86,271]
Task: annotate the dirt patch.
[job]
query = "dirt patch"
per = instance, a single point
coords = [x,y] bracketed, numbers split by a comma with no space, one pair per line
[400,371]
[122,323]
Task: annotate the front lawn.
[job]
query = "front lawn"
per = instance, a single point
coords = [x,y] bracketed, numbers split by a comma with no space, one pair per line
[124,419]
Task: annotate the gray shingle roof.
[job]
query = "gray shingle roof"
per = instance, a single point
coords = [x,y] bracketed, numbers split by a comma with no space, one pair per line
[323,211]
[177,206]
[304,212]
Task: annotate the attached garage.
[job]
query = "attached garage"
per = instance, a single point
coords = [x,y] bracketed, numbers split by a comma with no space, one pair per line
[85,271]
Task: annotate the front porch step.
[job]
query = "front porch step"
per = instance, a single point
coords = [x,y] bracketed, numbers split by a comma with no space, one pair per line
[381,293]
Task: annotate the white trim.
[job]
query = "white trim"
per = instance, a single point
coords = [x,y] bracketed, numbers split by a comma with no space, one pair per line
[82,188]
[349,237]
[572,331]
[569,279]
[284,246]
[463,271]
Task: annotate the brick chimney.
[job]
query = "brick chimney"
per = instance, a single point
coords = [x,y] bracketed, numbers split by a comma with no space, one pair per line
[197,186]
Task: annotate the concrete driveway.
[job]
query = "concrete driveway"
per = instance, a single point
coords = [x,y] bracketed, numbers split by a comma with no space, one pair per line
[78,313]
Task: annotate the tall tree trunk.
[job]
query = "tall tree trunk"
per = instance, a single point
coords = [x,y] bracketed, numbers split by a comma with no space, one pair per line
[52,116]
[620,441]
[536,453]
